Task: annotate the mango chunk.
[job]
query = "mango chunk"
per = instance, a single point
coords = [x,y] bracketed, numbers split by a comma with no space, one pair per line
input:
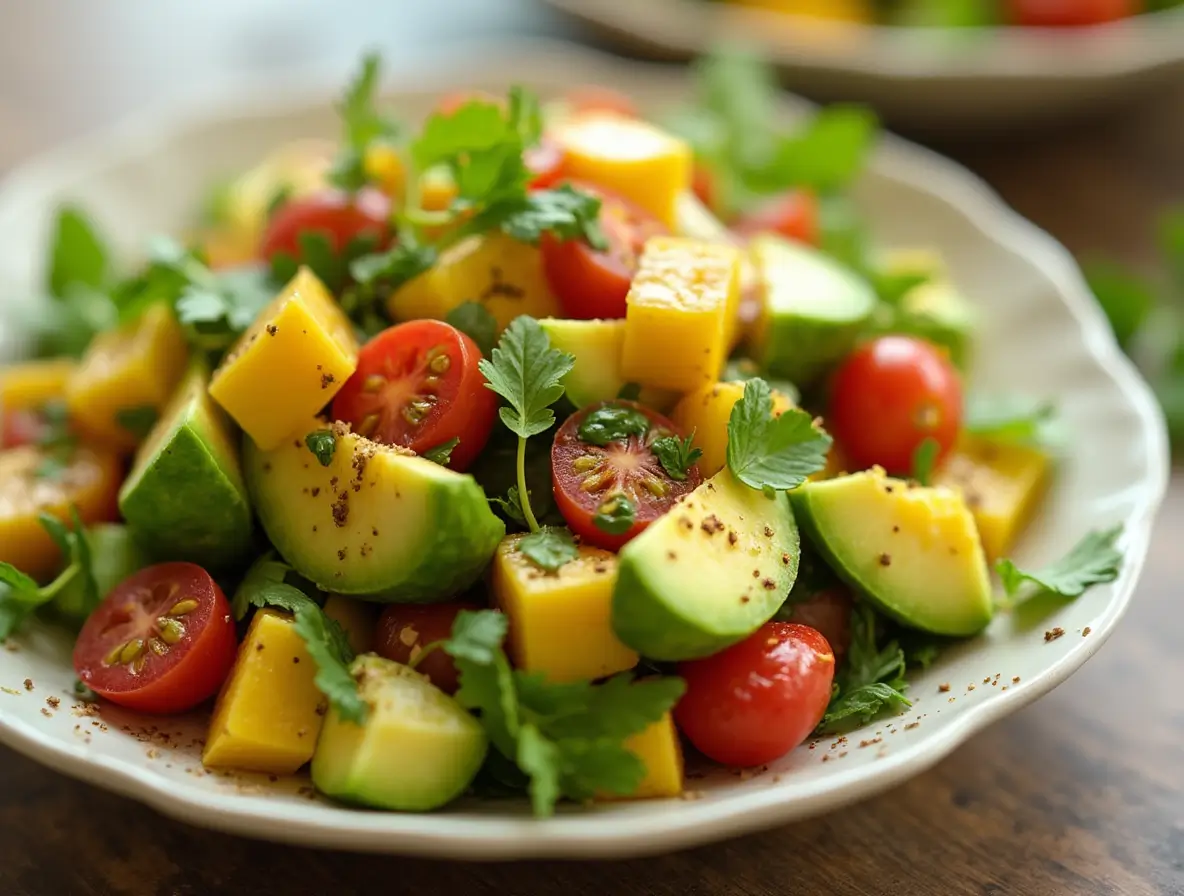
[826,10]
[659,748]
[503,274]
[269,713]
[706,412]
[1001,483]
[289,364]
[559,623]
[133,367]
[677,311]
[30,385]
[628,156]
[357,618]
[89,482]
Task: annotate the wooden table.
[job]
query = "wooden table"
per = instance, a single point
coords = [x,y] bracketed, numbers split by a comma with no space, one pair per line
[1082,793]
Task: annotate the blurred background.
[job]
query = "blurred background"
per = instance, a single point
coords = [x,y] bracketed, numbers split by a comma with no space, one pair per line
[1082,133]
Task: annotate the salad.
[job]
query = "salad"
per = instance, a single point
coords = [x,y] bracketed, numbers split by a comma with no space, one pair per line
[962,13]
[512,451]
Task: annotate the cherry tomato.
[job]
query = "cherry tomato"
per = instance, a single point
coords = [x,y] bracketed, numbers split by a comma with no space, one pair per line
[757,700]
[417,385]
[890,395]
[599,487]
[545,161]
[162,641]
[821,601]
[21,427]
[592,98]
[1071,12]
[333,213]
[405,629]
[792,214]
[593,284]
[703,185]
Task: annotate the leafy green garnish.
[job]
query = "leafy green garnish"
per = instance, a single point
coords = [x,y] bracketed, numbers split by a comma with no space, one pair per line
[1010,418]
[20,595]
[441,454]
[474,320]
[569,738]
[740,370]
[265,586]
[137,420]
[768,452]
[1126,298]
[872,680]
[924,458]
[525,371]
[376,275]
[363,124]
[1092,561]
[323,444]
[56,439]
[563,212]
[333,267]
[613,423]
[676,455]
[78,256]
[549,548]
[615,515]
[511,505]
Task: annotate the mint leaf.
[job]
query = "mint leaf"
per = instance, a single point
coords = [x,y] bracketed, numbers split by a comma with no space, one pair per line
[323,444]
[772,452]
[549,548]
[924,458]
[615,515]
[525,371]
[676,455]
[137,420]
[441,454]
[613,423]
[78,255]
[1092,561]
[474,320]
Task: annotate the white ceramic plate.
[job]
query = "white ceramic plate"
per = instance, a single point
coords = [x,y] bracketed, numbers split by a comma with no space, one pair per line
[949,80]
[1041,332]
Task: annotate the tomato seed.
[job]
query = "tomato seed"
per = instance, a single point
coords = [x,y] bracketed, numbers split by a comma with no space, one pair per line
[585,464]
[131,650]
[112,658]
[440,364]
[373,383]
[170,630]
[180,608]
[158,647]
[597,481]
[368,425]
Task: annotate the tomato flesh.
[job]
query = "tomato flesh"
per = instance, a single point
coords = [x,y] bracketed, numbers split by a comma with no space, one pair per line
[333,213]
[1054,13]
[590,283]
[417,385]
[792,214]
[162,641]
[755,701]
[889,396]
[589,479]
[404,630]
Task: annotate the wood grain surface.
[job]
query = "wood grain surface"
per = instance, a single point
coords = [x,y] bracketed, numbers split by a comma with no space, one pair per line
[1082,793]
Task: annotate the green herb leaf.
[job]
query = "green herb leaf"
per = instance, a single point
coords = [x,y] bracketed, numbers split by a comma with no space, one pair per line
[772,452]
[615,515]
[872,681]
[1092,561]
[441,454]
[1010,418]
[20,594]
[865,702]
[477,635]
[323,444]
[676,455]
[549,548]
[363,125]
[525,371]
[137,420]
[924,458]
[564,212]
[474,320]
[1126,298]
[78,255]
[511,506]
[613,423]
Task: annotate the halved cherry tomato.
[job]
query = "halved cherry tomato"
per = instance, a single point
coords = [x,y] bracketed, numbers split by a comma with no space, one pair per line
[757,700]
[1043,13]
[404,630]
[417,385]
[337,215]
[592,98]
[792,214]
[590,283]
[601,484]
[889,396]
[162,641]
[21,427]
[545,161]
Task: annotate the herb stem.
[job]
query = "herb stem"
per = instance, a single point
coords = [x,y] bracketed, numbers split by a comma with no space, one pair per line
[427,649]
[523,494]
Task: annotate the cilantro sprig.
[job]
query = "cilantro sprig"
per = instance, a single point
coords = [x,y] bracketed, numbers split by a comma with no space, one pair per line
[568,739]
[767,452]
[872,681]
[363,124]
[1095,559]
[676,455]
[20,595]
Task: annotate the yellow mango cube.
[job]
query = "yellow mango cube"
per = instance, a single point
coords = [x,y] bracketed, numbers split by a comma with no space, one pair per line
[825,10]
[560,622]
[29,385]
[628,156]
[289,364]
[269,713]
[386,167]
[659,748]
[706,412]
[135,366]
[1001,482]
[676,333]
[357,618]
[503,274]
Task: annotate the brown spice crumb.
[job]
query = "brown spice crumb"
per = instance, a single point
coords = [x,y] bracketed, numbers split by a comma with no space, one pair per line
[272,329]
[1085,631]
[785,559]
[691,795]
[295,660]
[843,755]
[28,684]
[970,687]
[327,380]
[1053,634]
[732,539]
[872,742]
[911,725]
[744,598]
[670,555]
[826,757]
[896,528]
[769,585]
[712,524]
[1004,688]
[316,491]
[885,560]
[53,702]
[340,509]
[756,573]
[987,680]
[685,522]
[45,712]
[341,554]
[768,532]
[944,687]
[259,646]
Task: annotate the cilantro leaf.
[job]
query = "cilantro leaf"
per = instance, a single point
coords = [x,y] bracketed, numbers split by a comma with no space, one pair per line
[441,454]
[477,635]
[474,320]
[333,266]
[772,452]
[20,595]
[265,586]
[872,680]
[1010,418]
[363,124]
[78,255]
[676,455]
[824,157]
[613,423]
[137,420]
[1092,561]
[510,505]
[564,212]
[549,548]
[924,458]
[864,702]
[615,515]
[539,758]
[525,371]
[323,444]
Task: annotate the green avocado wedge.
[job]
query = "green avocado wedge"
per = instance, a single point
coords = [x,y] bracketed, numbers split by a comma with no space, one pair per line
[374,521]
[707,574]
[914,552]
[185,498]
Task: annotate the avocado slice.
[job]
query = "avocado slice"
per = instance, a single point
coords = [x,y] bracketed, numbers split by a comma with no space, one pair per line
[913,551]
[812,312]
[376,521]
[185,498]
[707,574]
[418,749]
